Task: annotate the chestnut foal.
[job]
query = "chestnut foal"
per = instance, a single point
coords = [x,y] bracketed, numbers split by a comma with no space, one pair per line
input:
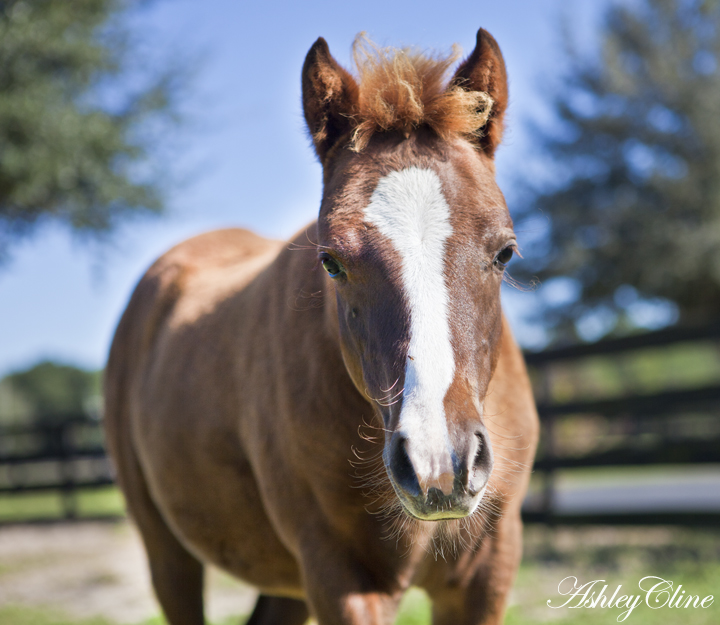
[247,376]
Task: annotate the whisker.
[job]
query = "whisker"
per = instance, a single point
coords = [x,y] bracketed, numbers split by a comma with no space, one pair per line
[393,386]
[386,401]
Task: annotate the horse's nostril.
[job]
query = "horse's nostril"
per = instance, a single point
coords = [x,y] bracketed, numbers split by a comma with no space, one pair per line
[482,464]
[402,468]
[480,448]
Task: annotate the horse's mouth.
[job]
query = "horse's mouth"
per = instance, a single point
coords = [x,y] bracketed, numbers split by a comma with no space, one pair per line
[436,506]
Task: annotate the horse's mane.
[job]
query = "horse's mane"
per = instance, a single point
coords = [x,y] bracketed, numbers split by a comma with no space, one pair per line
[403,89]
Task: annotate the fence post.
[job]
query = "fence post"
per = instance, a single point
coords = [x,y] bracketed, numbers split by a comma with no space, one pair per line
[548,494]
[67,472]
[547,423]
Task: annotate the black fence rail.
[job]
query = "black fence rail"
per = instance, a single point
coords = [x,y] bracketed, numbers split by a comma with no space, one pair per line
[676,427]
[64,456]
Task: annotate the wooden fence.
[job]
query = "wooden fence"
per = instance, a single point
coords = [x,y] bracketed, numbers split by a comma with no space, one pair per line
[662,413]
[65,457]
[69,456]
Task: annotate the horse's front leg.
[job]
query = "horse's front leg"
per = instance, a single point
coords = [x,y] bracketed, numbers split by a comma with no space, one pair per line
[341,590]
[475,592]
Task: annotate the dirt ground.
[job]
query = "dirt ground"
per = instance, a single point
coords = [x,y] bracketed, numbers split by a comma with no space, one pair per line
[98,569]
[94,569]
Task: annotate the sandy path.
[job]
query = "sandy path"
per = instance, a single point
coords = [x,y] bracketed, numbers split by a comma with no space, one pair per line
[89,569]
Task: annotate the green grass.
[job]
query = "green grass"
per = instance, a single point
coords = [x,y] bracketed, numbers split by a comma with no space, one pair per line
[24,507]
[617,555]
[106,501]
[414,608]
[23,615]
[648,370]
[101,502]
[533,608]
[159,620]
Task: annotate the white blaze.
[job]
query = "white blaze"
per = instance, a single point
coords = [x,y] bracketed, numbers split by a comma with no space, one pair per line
[409,208]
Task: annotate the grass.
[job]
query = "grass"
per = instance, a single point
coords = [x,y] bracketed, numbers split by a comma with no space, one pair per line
[98,502]
[647,370]
[620,556]
[23,615]
[414,610]
[415,607]
[533,608]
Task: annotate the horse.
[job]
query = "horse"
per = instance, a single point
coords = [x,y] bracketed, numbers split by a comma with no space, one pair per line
[336,418]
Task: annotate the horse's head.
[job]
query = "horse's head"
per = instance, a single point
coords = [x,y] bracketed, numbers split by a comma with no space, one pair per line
[415,235]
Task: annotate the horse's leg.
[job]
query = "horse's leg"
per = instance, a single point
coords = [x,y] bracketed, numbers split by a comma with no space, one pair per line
[481,599]
[357,604]
[177,576]
[278,611]
[340,589]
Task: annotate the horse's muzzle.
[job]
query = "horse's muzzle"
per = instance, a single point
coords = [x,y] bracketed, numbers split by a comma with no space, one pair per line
[434,483]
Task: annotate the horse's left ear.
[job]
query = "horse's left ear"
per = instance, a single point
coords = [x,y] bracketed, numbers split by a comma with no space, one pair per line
[484,70]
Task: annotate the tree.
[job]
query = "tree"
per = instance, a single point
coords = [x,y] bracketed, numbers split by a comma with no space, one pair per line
[633,214]
[74,145]
[49,392]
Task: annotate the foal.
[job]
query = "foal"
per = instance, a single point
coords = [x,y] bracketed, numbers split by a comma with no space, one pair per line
[247,375]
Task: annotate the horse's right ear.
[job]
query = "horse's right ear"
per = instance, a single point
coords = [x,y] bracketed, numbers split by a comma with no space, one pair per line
[329,96]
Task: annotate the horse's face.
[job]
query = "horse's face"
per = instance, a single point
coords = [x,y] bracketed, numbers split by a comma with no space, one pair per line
[415,240]
[414,235]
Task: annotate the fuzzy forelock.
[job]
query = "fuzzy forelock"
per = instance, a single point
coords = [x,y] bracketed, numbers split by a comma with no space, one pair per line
[403,89]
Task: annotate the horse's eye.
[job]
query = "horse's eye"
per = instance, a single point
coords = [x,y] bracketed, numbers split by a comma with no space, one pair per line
[331,266]
[503,258]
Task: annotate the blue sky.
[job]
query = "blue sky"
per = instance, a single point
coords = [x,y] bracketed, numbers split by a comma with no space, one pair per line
[245,159]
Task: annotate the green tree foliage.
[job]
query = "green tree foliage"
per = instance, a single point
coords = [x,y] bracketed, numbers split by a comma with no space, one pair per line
[633,213]
[48,392]
[74,117]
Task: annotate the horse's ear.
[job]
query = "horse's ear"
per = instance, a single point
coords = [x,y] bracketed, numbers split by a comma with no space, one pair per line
[484,70]
[329,98]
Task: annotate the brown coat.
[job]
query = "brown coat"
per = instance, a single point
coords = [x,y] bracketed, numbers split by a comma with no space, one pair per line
[245,394]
